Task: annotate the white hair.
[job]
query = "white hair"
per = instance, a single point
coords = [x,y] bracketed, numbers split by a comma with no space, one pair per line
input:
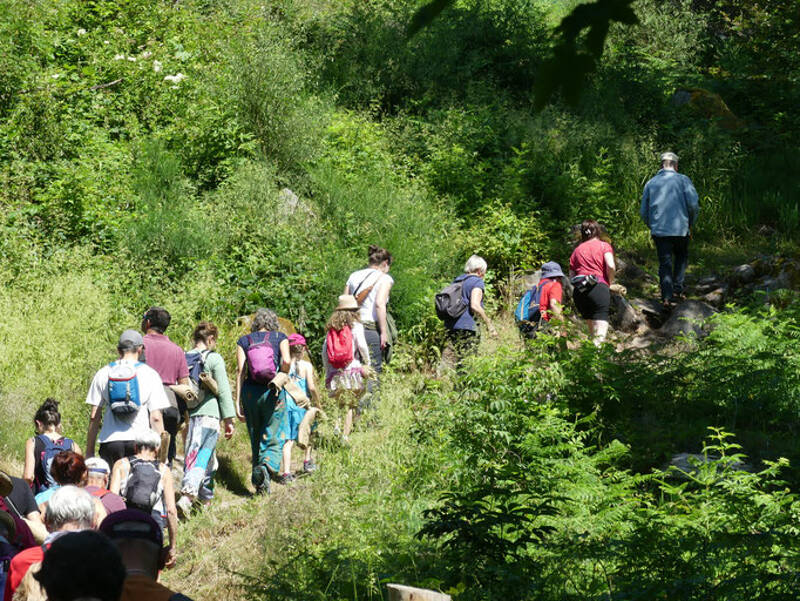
[475,264]
[148,439]
[69,504]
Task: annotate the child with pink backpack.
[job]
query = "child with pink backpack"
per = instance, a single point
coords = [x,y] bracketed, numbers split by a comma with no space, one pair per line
[346,358]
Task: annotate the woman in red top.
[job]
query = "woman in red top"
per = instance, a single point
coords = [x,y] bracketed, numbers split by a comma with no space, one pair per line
[592,261]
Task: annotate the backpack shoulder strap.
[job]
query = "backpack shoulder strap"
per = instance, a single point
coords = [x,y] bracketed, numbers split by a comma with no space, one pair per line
[364,281]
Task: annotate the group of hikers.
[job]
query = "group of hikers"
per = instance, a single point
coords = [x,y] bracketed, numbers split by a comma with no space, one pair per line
[669,208]
[154,389]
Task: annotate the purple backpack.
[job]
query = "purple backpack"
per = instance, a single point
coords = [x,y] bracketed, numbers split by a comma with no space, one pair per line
[261,360]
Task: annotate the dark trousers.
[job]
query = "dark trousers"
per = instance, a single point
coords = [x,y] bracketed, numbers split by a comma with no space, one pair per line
[172,423]
[373,339]
[111,452]
[671,274]
[460,345]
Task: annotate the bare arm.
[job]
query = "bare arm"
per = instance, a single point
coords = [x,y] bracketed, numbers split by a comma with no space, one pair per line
[286,358]
[157,421]
[475,298]
[30,461]
[76,448]
[554,309]
[100,513]
[611,267]
[380,309]
[95,419]
[172,514]
[240,361]
[311,384]
[118,473]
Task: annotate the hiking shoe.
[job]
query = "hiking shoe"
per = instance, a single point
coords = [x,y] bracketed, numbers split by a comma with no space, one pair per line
[260,479]
[286,478]
[184,506]
[309,466]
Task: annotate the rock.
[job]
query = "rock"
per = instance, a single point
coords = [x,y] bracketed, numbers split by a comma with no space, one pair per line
[716,297]
[687,317]
[742,275]
[640,342]
[688,463]
[653,311]
[764,265]
[623,316]
[790,274]
[708,281]
[708,105]
[769,283]
[290,204]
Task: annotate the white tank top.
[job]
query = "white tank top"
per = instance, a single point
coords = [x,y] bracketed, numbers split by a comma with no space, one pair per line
[363,279]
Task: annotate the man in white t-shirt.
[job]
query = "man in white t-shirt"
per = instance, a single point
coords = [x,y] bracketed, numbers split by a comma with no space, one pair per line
[119,432]
[371,287]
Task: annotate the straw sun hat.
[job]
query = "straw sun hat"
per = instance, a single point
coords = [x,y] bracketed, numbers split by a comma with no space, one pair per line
[347,302]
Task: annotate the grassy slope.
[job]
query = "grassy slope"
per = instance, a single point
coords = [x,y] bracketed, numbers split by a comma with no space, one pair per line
[365,501]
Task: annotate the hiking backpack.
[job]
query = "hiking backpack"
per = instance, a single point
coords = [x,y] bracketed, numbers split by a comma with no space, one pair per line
[142,488]
[528,307]
[449,302]
[196,363]
[45,450]
[123,388]
[261,360]
[339,347]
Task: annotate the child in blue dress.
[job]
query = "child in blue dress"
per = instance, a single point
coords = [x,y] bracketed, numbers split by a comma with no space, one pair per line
[302,374]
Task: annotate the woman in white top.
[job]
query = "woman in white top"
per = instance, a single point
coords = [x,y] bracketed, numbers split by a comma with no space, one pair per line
[371,287]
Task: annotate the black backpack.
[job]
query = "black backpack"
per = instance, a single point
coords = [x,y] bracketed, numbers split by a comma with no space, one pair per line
[449,302]
[142,489]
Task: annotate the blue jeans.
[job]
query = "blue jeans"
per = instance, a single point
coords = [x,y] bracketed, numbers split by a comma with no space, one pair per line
[671,275]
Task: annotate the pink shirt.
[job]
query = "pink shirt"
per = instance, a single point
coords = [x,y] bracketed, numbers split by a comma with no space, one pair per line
[166,357]
[588,259]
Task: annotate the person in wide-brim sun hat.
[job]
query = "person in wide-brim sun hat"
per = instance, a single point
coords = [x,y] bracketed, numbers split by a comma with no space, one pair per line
[350,378]
[347,302]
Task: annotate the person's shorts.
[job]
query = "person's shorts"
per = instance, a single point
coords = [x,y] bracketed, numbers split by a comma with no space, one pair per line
[595,303]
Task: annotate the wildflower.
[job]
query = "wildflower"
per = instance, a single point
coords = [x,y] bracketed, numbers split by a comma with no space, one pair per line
[81,31]
[177,78]
[119,57]
[56,75]
[132,59]
[146,54]
[156,66]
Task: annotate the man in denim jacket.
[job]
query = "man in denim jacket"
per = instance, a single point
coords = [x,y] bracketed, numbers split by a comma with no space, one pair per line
[670,208]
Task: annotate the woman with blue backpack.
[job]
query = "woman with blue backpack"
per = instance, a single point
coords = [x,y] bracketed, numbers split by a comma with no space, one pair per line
[42,448]
[260,355]
[542,302]
[212,401]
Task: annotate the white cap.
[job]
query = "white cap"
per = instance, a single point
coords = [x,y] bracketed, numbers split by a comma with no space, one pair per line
[96,465]
[669,156]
